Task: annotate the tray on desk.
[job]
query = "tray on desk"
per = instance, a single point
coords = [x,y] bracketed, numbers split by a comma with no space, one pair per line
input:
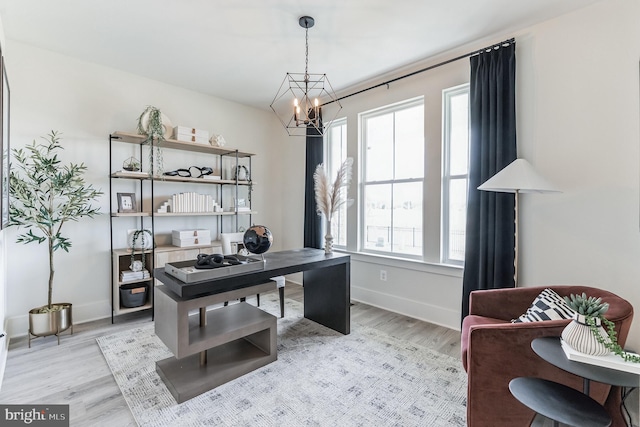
[186,271]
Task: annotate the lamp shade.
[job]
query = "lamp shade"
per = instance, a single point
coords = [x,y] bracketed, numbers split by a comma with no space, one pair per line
[518,176]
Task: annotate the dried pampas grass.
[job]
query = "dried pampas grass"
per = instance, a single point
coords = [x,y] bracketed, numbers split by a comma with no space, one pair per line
[330,198]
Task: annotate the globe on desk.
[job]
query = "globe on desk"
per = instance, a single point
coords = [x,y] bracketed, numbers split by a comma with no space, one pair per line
[257,239]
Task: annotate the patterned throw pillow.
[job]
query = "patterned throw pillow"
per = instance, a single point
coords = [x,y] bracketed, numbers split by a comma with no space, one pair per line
[547,306]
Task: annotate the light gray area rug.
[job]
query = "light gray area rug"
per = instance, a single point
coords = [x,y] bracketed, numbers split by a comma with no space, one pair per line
[321,378]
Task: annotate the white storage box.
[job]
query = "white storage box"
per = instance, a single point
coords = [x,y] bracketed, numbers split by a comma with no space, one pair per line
[191,241]
[181,234]
[192,138]
[186,238]
[182,133]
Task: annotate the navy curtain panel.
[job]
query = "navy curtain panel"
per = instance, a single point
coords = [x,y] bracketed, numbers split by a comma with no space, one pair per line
[490,240]
[312,221]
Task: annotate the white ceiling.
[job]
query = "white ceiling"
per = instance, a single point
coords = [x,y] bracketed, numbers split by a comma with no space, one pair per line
[241,50]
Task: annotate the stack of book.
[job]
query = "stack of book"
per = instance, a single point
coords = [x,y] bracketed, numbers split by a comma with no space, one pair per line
[192,203]
[130,276]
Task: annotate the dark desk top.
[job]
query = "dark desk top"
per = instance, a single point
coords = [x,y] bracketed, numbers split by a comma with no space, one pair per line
[559,402]
[276,264]
[550,350]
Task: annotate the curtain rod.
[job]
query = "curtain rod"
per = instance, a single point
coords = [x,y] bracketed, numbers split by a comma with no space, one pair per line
[431,67]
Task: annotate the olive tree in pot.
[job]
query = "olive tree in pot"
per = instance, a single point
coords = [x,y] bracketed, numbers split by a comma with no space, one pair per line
[45,195]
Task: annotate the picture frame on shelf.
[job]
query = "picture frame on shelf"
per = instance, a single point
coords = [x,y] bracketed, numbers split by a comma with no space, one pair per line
[127,203]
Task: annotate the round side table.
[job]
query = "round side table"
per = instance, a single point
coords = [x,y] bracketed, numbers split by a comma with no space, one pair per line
[549,349]
[559,403]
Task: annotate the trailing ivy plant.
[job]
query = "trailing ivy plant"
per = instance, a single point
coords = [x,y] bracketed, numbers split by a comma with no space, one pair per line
[612,343]
[45,195]
[154,129]
[594,308]
[134,238]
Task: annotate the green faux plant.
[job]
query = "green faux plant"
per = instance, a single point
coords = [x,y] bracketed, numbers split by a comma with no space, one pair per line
[594,308]
[150,124]
[45,195]
[588,306]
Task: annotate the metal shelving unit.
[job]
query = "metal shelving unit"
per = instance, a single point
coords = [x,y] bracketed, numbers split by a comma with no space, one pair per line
[148,213]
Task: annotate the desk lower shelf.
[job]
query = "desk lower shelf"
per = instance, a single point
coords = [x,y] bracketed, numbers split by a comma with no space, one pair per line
[187,378]
[236,340]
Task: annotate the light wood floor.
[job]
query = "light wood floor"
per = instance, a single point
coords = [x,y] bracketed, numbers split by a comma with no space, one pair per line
[76,373]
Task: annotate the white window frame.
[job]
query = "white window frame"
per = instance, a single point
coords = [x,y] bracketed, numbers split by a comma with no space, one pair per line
[362,117]
[447,177]
[329,149]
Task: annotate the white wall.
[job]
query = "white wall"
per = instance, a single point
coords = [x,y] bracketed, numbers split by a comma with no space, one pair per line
[578,124]
[86,102]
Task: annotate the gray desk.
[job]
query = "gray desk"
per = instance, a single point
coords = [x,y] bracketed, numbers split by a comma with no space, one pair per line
[327,286]
[220,345]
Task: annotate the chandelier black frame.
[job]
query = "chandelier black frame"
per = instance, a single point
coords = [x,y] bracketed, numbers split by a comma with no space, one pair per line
[299,101]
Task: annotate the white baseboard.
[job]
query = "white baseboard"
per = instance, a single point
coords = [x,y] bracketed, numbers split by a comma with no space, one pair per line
[18,326]
[418,310]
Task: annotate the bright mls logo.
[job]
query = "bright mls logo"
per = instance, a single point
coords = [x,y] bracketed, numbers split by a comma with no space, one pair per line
[35,415]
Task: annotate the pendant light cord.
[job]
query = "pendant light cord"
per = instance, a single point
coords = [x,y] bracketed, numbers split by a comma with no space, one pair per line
[306,52]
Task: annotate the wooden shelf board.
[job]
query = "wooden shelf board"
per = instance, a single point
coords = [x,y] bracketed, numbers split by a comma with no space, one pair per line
[130,175]
[131,282]
[192,213]
[137,214]
[133,138]
[124,310]
[166,178]
[132,214]
[165,248]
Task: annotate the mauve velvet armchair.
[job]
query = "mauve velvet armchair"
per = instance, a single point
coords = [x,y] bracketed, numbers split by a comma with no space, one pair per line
[494,351]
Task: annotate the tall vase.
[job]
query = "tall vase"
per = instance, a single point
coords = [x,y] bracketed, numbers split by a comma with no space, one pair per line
[578,335]
[328,240]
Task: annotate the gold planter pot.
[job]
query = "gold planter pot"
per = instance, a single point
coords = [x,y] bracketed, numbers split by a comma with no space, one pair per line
[51,323]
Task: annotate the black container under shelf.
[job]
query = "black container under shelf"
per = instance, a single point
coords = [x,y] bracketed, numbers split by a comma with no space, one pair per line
[133,295]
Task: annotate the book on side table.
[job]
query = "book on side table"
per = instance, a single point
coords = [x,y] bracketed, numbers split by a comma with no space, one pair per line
[611,360]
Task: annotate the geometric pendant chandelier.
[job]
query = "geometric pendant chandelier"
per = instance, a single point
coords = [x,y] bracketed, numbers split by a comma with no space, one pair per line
[299,101]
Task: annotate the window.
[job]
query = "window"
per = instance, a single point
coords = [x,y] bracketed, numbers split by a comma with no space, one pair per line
[393,179]
[455,172]
[335,155]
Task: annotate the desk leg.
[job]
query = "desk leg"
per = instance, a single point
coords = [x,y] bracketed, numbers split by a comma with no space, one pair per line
[586,386]
[327,297]
[203,323]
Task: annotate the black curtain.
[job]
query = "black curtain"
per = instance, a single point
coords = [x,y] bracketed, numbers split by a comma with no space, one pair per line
[490,240]
[312,221]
